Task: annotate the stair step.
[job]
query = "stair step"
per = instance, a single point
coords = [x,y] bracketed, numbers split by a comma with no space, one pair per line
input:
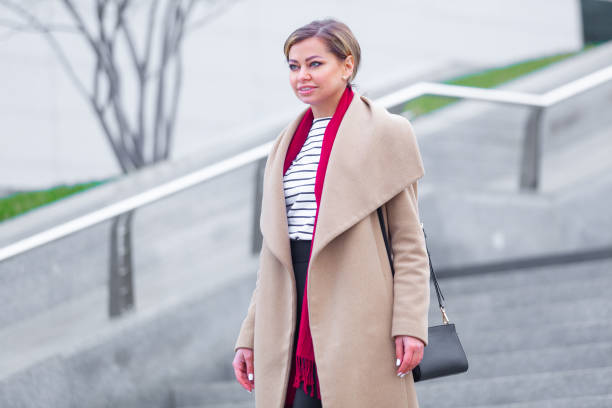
[249,404]
[515,388]
[211,394]
[554,358]
[515,338]
[499,298]
[594,401]
[541,277]
[527,317]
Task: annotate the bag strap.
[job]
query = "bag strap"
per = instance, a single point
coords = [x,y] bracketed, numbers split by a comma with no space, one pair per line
[432,273]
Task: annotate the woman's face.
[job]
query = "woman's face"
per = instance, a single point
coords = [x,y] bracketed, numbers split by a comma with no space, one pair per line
[316,75]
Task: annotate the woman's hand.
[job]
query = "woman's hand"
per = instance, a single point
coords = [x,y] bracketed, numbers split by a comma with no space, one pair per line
[243,368]
[409,353]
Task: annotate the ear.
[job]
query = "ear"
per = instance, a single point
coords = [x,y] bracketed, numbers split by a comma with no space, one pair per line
[349,65]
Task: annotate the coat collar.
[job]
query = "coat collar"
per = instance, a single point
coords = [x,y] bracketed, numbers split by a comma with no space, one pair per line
[374,157]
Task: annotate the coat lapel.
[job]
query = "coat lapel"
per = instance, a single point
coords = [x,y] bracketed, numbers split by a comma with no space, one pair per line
[273,220]
[374,157]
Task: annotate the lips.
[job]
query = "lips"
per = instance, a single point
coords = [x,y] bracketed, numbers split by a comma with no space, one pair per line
[304,90]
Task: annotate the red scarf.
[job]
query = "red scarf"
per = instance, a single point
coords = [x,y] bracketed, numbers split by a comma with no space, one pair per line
[303,368]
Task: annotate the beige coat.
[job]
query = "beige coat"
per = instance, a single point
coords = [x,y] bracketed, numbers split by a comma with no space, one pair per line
[355,306]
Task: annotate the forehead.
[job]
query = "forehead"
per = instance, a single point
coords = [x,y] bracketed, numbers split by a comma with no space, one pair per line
[308,47]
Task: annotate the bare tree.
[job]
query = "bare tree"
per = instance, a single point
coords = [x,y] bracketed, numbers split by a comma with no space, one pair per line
[140,127]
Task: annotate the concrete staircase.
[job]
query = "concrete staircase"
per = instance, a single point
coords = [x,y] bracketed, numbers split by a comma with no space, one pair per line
[538,337]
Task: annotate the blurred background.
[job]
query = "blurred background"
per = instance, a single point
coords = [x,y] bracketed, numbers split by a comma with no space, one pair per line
[134,134]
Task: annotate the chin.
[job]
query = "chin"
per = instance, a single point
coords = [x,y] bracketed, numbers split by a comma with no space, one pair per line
[310,99]
[306,99]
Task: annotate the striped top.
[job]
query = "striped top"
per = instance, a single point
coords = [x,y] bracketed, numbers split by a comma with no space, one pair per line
[299,183]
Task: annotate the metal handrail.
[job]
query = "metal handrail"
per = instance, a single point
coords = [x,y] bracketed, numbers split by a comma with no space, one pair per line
[389,101]
[545,100]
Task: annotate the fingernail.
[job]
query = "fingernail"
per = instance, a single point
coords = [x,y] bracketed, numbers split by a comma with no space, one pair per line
[250,392]
[250,376]
[402,376]
[397,362]
[398,374]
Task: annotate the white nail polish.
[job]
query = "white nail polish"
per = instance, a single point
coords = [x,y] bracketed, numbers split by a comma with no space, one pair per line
[402,376]
[398,374]
[250,376]
[397,363]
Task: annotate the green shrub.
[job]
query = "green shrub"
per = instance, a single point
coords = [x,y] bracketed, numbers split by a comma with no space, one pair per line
[22,202]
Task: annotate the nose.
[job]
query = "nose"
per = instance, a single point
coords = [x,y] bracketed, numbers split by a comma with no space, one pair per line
[304,74]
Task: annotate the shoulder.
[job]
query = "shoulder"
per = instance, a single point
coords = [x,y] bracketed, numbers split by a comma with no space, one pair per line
[393,128]
[386,120]
[395,139]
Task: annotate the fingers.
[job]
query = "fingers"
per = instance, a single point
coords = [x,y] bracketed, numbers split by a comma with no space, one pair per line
[240,369]
[407,357]
[249,368]
[411,350]
[417,356]
[399,350]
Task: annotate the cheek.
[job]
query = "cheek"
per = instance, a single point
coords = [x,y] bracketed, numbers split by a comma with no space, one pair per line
[292,79]
[328,74]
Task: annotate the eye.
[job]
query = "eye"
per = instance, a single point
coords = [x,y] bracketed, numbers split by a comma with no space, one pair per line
[315,62]
[292,67]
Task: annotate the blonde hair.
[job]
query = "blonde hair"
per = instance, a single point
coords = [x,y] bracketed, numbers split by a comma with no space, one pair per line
[339,38]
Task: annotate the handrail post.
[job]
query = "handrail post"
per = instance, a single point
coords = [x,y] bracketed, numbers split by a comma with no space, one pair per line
[120,282]
[259,175]
[532,151]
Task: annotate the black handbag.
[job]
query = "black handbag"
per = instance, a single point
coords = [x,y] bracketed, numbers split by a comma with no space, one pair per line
[443,354]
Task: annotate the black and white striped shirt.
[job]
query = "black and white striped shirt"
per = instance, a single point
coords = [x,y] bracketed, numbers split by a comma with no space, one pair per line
[299,183]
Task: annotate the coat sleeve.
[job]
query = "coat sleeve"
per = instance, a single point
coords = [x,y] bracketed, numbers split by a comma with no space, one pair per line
[411,264]
[246,336]
[247,329]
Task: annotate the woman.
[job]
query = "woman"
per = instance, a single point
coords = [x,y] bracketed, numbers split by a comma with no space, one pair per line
[328,325]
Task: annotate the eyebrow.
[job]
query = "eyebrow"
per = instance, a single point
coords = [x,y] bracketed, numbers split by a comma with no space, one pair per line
[307,59]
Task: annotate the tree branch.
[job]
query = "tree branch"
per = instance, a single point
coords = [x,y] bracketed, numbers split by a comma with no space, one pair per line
[17,26]
[81,25]
[178,77]
[150,29]
[167,30]
[171,119]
